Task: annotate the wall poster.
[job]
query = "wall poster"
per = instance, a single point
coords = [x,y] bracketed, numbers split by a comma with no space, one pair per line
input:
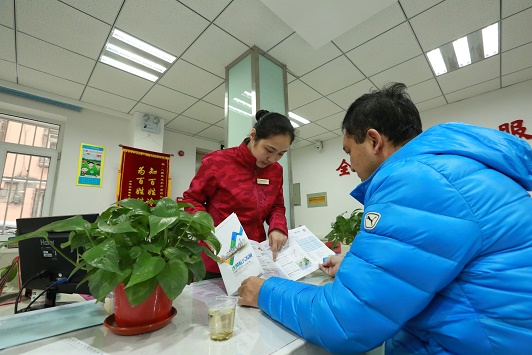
[90,165]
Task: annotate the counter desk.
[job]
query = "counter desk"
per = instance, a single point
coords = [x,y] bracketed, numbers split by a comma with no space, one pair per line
[188,332]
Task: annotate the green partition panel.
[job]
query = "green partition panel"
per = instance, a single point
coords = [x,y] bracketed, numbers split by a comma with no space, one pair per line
[256,81]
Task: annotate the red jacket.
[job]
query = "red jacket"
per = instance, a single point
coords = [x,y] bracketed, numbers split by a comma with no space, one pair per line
[228,181]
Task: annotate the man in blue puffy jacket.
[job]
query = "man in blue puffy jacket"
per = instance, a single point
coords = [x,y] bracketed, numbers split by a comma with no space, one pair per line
[443,261]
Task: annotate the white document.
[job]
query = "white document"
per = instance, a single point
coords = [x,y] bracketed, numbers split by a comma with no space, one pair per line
[237,257]
[74,346]
[300,256]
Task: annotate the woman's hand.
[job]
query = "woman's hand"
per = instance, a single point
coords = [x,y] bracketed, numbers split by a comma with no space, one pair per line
[277,239]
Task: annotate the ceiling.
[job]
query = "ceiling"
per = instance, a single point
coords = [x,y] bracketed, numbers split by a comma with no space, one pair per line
[54,46]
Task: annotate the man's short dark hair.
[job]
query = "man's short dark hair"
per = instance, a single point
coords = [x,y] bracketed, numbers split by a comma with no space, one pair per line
[389,111]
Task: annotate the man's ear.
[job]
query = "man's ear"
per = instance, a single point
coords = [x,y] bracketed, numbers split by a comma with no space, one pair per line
[376,139]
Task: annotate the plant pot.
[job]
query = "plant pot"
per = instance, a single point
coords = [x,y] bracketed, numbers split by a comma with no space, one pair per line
[155,309]
[337,249]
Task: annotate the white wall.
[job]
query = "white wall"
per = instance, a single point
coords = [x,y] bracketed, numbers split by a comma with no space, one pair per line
[182,169]
[316,170]
[87,126]
[102,129]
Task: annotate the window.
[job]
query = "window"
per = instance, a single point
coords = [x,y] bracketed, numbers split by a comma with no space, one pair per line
[28,152]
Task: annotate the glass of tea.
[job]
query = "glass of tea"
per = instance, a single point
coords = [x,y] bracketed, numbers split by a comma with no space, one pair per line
[221,317]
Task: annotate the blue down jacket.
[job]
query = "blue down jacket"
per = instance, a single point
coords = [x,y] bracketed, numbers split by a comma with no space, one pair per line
[446,269]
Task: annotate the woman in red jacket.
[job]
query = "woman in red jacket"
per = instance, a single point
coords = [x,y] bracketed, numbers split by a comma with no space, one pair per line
[248,181]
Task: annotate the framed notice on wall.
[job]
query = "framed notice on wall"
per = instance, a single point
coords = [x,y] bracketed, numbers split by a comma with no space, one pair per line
[90,165]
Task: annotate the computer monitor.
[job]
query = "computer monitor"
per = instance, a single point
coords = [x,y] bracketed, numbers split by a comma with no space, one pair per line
[37,255]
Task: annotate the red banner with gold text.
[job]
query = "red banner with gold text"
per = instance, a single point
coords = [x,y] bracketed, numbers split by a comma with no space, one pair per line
[143,174]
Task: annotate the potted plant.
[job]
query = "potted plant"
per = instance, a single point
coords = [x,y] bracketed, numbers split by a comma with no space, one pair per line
[344,230]
[141,253]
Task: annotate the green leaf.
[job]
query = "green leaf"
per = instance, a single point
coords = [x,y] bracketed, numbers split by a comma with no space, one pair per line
[145,268]
[198,269]
[102,282]
[166,207]
[103,256]
[202,221]
[173,278]
[141,291]
[134,204]
[158,224]
[122,227]
[135,252]
[172,253]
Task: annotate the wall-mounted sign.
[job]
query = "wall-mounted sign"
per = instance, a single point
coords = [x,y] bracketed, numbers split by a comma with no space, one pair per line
[515,128]
[318,199]
[344,168]
[90,165]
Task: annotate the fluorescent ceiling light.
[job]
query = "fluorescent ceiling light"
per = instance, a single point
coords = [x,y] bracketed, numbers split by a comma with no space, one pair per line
[237,110]
[298,118]
[490,40]
[436,60]
[242,102]
[135,58]
[128,68]
[294,124]
[247,94]
[461,49]
[124,37]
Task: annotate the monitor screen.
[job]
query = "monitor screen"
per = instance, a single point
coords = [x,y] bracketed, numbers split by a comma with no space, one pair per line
[37,255]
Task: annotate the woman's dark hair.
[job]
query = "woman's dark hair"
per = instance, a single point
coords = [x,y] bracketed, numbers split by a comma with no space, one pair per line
[389,111]
[272,124]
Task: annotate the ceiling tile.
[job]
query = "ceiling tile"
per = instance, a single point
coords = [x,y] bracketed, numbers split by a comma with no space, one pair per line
[300,144]
[221,123]
[318,109]
[187,125]
[516,30]
[290,77]
[430,104]
[214,50]
[424,91]
[185,77]
[7,38]
[6,15]
[52,59]
[62,25]
[168,99]
[510,7]
[106,99]
[516,59]
[119,82]
[300,57]
[332,122]
[345,97]
[300,94]
[8,71]
[517,77]
[310,130]
[410,72]
[325,136]
[333,76]
[474,90]
[414,7]
[102,10]
[470,75]
[389,49]
[154,111]
[372,27]
[217,96]
[253,23]
[205,112]
[50,83]
[207,8]
[165,24]
[465,16]
[213,132]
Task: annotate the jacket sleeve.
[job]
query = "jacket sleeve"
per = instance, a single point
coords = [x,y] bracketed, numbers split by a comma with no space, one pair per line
[423,238]
[202,187]
[277,218]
